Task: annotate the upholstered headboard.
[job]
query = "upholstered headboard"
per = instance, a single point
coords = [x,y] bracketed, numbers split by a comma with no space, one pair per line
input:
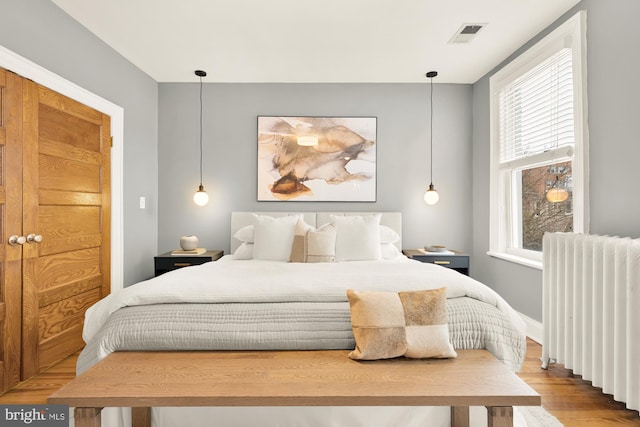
[392,220]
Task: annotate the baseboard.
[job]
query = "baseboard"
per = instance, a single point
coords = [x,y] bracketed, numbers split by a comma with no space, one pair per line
[534,328]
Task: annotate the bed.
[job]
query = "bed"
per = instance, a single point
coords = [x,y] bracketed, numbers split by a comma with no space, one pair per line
[257,299]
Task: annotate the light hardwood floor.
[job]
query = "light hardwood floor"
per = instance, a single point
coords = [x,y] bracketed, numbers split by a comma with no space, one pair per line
[573,401]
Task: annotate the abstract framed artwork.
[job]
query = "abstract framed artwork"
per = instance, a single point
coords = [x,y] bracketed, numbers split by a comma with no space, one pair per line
[317,159]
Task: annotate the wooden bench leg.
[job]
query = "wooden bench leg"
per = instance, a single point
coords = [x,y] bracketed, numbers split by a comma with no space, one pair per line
[87,417]
[459,416]
[141,417]
[500,416]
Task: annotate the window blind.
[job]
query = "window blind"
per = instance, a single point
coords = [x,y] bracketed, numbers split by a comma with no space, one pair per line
[536,110]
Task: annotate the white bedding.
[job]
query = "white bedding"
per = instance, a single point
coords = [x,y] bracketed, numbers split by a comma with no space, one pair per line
[234,281]
[228,280]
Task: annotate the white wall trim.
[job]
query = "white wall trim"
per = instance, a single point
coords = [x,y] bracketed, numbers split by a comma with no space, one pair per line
[534,328]
[517,259]
[25,68]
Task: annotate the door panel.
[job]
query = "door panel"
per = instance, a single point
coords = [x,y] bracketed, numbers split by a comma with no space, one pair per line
[55,349]
[68,267]
[68,274]
[10,224]
[64,222]
[64,174]
[56,318]
[70,124]
[67,155]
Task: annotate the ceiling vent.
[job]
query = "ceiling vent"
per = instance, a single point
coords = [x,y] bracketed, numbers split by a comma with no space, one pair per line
[466,33]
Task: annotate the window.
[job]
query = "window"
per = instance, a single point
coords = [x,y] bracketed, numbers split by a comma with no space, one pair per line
[538,145]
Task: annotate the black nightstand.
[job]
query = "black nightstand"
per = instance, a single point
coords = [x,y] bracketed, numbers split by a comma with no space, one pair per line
[167,262]
[458,261]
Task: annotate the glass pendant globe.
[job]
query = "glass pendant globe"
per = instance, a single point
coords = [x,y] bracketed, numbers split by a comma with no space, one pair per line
[431,197]
[557,195]
[201,198]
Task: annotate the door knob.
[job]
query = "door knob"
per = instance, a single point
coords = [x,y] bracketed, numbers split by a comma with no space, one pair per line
[17,240]
[34,238]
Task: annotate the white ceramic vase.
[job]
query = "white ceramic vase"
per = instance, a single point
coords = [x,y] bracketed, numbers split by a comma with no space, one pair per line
[188,243]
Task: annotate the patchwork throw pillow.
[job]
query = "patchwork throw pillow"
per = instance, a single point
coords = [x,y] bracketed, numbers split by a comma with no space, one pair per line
[425,317]
[392,324]
[377,321]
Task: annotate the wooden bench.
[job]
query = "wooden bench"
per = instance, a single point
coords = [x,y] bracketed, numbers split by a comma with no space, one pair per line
[142,380]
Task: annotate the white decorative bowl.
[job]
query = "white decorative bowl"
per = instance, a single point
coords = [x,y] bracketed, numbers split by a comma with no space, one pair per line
[188,243]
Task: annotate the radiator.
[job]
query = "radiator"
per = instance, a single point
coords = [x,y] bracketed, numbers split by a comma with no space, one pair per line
[591,310]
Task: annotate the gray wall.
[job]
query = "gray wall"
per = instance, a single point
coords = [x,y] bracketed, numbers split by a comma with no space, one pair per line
[39,31]
[614,148]
[42,33]
[230,155]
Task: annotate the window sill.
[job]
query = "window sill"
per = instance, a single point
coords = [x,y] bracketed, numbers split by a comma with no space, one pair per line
[517,259]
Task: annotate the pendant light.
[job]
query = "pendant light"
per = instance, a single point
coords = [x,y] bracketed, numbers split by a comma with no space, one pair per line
[557,194]
[201,198]
[431,196]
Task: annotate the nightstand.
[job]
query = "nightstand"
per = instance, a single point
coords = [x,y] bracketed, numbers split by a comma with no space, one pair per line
[167,262]
[456,261]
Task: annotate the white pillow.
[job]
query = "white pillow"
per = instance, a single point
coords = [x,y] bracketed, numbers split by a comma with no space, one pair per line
[246,234]
[244,251]
[388,235]
[357,237]
[390,251]
[273,237]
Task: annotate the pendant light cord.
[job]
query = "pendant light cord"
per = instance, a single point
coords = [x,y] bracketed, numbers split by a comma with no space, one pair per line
[431,134]
[200,131]
[431,196]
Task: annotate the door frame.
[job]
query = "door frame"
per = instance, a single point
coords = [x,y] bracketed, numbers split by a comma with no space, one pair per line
[13,62]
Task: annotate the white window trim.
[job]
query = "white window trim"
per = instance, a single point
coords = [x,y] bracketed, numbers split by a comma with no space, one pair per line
[572,34]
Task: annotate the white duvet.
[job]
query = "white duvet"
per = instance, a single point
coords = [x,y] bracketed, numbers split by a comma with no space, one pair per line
[228,280]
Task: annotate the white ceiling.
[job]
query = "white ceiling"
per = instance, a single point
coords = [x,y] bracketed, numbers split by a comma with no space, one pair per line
[313,40]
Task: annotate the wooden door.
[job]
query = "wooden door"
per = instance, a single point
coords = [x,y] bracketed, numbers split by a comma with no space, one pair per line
[66,202]
[10,224]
